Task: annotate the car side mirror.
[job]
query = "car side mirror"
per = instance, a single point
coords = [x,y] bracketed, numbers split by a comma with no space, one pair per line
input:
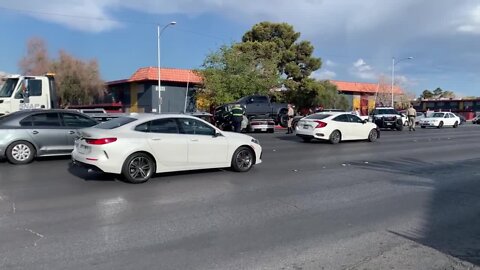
[217,134]
[364,121]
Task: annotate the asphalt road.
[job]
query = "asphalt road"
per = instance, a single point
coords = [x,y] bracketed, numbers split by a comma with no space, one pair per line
[409,201]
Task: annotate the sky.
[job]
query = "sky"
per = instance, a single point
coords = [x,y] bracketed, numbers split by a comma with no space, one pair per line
[356,40]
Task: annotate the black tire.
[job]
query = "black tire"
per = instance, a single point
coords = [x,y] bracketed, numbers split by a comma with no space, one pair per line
[272,130]
[294,125]
[307,139]
[399,125]
[21,152]
[423,126]
[335,137]
[440,125]
[243,159]
[373,135]
[138,168]
[283,120]
[455,125]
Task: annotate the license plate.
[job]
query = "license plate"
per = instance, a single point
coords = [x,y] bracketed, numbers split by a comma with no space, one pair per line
[263,129]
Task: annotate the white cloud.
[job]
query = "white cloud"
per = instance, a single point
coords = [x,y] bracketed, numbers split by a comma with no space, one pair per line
[362,70]
[330,63]
[323,74]
[472,22]
[332,16]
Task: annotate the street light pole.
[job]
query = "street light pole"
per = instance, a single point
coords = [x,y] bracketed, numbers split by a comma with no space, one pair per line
[159,34]
[393,72]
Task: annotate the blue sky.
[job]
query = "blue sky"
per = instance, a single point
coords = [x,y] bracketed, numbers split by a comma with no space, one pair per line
[355,39]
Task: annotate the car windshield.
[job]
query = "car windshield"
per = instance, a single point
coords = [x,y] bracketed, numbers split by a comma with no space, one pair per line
[8,88]
[437,115]
[115,123]
[318,116]
[385,111]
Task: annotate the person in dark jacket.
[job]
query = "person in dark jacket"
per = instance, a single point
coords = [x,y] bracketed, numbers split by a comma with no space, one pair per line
[237,113]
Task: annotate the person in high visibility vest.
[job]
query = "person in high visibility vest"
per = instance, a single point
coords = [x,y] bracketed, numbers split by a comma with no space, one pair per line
[237,117]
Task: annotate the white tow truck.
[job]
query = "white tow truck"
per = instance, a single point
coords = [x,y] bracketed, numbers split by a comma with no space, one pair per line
[27,92]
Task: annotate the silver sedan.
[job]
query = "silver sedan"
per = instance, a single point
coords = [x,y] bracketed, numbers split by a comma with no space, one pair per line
[25,135]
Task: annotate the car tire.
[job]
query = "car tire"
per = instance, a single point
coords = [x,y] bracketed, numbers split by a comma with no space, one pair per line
[138,168]
[399,125]
[440,125]
[283,120]
[423,126]
[294,125]
[335,137]
[243,159]
[272,130]
[21,152]
[373,135]
[455,125]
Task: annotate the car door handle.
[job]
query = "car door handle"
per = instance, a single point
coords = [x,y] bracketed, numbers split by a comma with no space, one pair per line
[194,140]
[71,132]
[156,139]
[35,132]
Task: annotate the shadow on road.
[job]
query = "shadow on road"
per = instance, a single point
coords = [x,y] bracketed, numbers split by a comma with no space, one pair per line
[452,222]
[89,175]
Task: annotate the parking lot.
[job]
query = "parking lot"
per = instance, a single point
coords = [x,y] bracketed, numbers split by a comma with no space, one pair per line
[406,200]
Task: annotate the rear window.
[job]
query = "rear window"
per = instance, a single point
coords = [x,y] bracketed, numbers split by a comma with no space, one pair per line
[115,123]
[318,116]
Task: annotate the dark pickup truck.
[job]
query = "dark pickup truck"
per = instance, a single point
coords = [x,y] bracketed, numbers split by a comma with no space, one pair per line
[258,107]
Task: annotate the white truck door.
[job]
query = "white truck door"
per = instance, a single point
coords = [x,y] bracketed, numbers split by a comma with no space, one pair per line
[38,94]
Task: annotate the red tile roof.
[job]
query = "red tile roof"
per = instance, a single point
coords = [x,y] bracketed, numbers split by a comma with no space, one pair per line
[166,74]
[360,87]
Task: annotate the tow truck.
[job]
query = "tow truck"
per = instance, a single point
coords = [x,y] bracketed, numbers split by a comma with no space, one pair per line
[38,92]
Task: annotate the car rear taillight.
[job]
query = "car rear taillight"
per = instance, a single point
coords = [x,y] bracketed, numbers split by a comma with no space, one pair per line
[100,141]
[320,124]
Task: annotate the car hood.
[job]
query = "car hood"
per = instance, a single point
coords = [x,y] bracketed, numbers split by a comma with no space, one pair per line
[235,135]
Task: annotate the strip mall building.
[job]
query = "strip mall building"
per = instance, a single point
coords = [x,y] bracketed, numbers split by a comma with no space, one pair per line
[139,93]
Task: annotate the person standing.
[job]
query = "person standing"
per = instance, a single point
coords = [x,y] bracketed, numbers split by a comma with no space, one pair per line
[290,115]
[237,117]
[411,114]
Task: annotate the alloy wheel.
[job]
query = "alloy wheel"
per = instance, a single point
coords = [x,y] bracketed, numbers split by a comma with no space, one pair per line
[21,152]
[244,159]
[140,168]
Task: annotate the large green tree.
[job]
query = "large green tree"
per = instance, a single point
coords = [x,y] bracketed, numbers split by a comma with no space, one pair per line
[230,74]
[296,63]
[269,56]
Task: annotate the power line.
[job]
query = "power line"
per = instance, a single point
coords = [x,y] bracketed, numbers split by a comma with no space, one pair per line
[27,11]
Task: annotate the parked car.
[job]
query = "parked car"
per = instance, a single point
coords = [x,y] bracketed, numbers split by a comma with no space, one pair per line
[462,118]
[138,146]
[27,134]
[387,117]
[420,116]
[336,127]
[297,118]
[440,119]
[262,125]
[476,120]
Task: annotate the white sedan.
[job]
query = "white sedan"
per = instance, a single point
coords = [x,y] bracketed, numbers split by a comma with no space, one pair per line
[140,145]
[439,120]
[336,127]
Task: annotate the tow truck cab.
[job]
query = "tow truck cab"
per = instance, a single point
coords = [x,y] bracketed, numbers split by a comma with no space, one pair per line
[27,92]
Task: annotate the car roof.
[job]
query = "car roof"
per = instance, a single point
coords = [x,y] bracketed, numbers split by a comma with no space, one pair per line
[151,116]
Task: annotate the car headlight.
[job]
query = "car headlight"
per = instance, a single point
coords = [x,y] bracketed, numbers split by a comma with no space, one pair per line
[255,141]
